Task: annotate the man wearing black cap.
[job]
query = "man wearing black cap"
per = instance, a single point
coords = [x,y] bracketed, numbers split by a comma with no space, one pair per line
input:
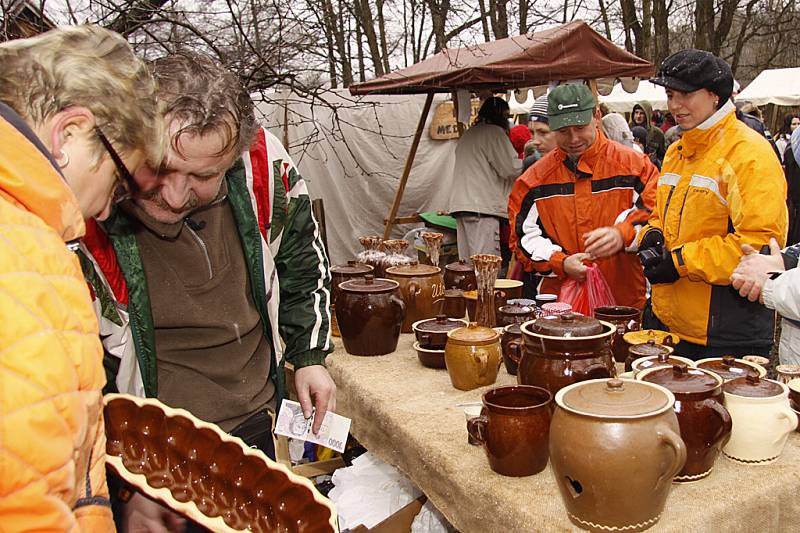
[721,186]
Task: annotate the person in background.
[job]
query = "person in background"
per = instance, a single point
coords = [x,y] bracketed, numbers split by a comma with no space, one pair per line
[531,155]
[720,188]
[791,169]
[616,129]
[672,135]
[519,136]
[486,166]
[790,123]
[641,116]
[539,123]
[220,261]
[751,115]
[78,114]
[583,201]
[669,123]
[640,140]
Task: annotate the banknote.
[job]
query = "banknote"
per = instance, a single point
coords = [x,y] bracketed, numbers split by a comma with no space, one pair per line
[332,434]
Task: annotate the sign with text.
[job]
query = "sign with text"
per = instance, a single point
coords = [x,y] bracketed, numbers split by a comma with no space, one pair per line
[443,124]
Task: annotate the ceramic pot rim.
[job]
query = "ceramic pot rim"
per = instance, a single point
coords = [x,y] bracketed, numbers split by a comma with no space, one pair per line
[762,372]
[611,329]
[639,376]
[512,409]
[628,310]
[414,325]
[393,272]
[762,399]
[794,385]
[427,350]
[688,362]
[378,291]
[559,399]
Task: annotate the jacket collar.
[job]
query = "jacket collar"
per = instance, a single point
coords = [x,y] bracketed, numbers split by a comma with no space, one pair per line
[587,160]
[30,177]
[707,131]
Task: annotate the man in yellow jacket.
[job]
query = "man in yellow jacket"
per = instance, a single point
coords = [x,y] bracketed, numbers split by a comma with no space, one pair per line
[721,186]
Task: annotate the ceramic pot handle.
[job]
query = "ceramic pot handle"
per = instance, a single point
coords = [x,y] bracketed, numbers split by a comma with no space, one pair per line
[621,329]
[476,427]
[412,289]
[669,340]
[482,358]
[785,413]
[673,441]
[401,306]
[514,352]
[725,416]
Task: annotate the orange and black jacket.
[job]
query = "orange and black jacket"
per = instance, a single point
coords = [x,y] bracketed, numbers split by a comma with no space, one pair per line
[555,202]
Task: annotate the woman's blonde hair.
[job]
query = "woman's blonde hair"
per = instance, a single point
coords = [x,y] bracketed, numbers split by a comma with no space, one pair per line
[86,66]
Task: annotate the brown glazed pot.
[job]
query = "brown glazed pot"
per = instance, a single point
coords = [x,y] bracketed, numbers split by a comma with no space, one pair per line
[511,345]
[625,319]
[454,304]
[514,314]
[649,349]
[369,314]
[514,429]
[422,290]
[728,367]
[644,336]
[505,290]
[339,273]
[614,449]
[705,423]
[472,356]
[460,275]
[561,350]
[430,357]
[432,332]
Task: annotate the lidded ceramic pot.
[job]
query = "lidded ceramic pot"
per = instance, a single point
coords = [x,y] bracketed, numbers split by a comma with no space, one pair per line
[472,355]
[665,338]
[432,332]
[762,419]
[513,313]
[664,357]
[369,313]
[626,319]
[340,273]
[596,427]
[704,422]
[728,367]
[649,349]
[421,288]
[460,275]
[560,350]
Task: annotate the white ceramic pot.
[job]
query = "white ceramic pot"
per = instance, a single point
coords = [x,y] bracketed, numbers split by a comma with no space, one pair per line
[761,424]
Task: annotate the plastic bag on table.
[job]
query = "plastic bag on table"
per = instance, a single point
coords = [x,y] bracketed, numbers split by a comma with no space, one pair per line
[585,296]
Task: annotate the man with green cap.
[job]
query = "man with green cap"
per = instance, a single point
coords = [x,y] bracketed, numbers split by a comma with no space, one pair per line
[584,201]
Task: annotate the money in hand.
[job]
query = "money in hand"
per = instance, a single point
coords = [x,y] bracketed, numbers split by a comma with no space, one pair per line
[332,434]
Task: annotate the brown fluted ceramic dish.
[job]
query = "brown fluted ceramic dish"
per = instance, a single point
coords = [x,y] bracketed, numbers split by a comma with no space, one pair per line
[514,429]
[369,313]
[196,469]
[625,319]
[705,423]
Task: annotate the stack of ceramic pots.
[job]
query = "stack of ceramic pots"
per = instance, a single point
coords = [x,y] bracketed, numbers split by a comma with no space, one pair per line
[421,288]
[472,356]
[560,350]
[615,446]
[431,336]
[370,315]
[704,422]
[626,319]
[340,273]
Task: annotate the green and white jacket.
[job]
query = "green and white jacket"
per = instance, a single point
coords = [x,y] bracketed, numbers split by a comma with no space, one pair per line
[288,269]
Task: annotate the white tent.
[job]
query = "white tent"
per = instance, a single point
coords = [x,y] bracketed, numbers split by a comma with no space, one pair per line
[621,101]
[779,86]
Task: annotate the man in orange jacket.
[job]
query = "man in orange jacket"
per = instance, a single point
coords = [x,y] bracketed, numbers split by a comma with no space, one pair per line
[584,201]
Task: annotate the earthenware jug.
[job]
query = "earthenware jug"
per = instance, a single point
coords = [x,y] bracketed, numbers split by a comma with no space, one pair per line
[339,273]
[473,357]
[642,336]
[560,350]
[626,319]
[704,422]
[728,367]
[422,290]
[762,419]
[514,429]
[596,427]
[460,275]
[369,313]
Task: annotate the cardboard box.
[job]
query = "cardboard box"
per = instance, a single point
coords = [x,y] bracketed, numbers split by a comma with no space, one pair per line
[399,522]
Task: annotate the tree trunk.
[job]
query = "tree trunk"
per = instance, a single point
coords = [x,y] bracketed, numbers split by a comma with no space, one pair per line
[703,24]
[498,12]
[632,26]
[604,16]
[661,30]
[343,46]
[484,21]
[523,16]
[368,27]
[382,31]
[360,49]
[722,30]
[743,37]
[439,10]
[646,48]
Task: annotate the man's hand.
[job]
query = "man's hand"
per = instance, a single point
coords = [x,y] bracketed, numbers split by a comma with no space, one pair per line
[753,270]
[314,383]
[143,515]
[574,267]
[603,242]
[661,269]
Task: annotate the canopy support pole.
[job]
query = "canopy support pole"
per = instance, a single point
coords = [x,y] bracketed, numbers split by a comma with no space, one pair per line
[407,170]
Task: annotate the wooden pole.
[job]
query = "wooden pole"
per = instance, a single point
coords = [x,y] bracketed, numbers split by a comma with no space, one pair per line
[407,170]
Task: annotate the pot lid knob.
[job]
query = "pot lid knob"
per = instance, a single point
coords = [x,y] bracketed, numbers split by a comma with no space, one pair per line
[369,279]
[680,369]
[663,356]
[615,385]
[567,317]
[753,379]
[728,361]
[441,319]
[351,262]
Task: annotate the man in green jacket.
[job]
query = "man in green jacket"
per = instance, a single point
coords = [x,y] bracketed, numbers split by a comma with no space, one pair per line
[642,116]
[214,274]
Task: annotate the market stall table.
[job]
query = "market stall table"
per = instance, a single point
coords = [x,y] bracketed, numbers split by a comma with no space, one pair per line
[408,416]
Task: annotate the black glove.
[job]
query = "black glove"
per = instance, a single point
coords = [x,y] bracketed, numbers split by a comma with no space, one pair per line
[662,270]
[653,239]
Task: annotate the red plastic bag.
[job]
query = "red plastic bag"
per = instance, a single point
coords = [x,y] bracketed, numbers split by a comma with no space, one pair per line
[585,296]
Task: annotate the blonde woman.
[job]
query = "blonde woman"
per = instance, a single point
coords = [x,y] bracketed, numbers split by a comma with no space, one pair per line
[77,117]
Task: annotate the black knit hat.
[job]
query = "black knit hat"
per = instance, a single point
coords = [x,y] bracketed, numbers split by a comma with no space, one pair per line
[691,69]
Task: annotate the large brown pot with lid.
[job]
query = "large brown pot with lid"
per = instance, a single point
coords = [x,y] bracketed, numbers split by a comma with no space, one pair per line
[626,319]
[369,313]
[560,350]
[432,332]
[460,275]
[728,367]
[340,273]
[514,313]
[704,422]
[422,290]
[614,448]
[472,356]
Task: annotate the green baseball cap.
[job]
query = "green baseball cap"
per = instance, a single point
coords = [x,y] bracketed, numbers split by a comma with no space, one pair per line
[570,105]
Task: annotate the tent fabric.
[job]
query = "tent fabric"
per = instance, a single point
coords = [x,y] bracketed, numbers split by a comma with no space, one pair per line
[354,163]
[779,86]
[621,101]
[570,51]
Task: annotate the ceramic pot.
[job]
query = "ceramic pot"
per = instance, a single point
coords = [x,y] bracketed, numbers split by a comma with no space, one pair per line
[505,290]
[514,314]
[369,314]
[648,350]
[372,254]
[704,422]
[514,429]
[473,357]
[786,373]
[422,290]
[614,448]
[432,332]
[664,358]
[511,345]
[560,350]
[663,338]
[454,305]
[728,367]
[340,273]
[460,275]
[762,419]
[625,319]
[794,398]
[430,357]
